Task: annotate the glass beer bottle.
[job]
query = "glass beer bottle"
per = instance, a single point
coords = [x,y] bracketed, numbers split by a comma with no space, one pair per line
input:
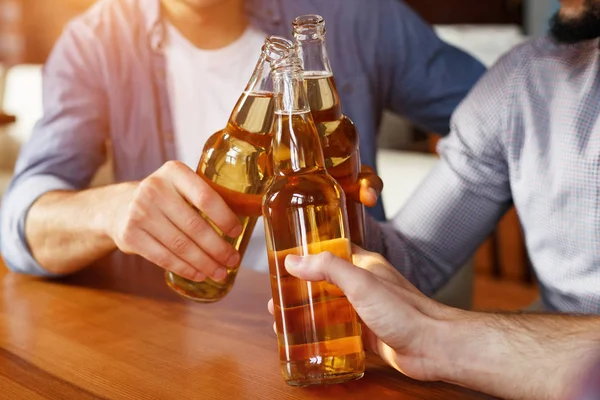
[339,137]
[318,331]
[236,162]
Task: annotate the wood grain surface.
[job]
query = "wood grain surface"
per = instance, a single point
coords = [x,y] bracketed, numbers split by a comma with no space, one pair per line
[116,331]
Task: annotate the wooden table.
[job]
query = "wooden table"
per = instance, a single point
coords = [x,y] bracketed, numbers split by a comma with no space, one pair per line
[116,331]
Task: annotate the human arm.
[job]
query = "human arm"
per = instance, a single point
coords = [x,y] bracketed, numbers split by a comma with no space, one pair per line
[461,200]
[52,225]
[67,145]
[513,356]
[68,230]
[424,78]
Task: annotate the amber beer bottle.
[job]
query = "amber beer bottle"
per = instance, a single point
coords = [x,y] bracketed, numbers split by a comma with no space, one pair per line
[237,163]
[304,211]
[339,137]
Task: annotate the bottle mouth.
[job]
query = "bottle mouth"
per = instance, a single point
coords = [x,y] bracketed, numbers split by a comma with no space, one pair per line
[276,47]
[309,27]
[289,63]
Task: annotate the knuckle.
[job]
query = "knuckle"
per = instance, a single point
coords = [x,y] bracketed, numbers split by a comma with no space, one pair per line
[180,244]
[172,165]
[163,260]
[196,225]
[148,189]
[227,250]
[231,223]
[137,213]
[326,258]
[208,265]
[221,246]
[202,199]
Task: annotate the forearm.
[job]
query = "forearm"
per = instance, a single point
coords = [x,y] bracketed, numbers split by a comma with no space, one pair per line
[67,231]
[515,356]
[442,223]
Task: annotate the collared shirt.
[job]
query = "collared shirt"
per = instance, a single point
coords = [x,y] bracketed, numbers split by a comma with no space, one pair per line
[528,134]
[105,82]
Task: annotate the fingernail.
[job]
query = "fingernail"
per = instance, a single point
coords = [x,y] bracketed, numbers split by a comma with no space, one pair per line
[373,193]
[292,261]
[199,277]
[219,274]
[233,260]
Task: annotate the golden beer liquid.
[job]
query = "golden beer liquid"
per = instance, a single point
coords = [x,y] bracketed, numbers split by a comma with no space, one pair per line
[236,162]
[340,143]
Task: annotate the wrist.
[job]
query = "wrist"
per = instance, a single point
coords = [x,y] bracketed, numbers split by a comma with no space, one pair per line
[445,341]
[470,349]
[109,202]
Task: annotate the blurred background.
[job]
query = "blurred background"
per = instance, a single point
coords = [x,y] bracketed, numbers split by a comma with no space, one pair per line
[486,29]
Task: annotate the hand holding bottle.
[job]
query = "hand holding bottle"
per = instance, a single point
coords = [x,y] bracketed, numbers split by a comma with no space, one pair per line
[367,189]
[394,313]
[235,164]
[158,219]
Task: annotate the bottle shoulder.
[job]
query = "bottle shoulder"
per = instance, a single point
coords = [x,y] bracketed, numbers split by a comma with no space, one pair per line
[236,135]
[349,125]
[305,189]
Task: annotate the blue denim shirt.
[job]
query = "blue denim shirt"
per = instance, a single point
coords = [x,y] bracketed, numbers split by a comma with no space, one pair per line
[105,83]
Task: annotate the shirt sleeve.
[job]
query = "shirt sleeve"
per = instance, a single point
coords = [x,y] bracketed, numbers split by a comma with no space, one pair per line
[465,195]
[67,145]
[425,78]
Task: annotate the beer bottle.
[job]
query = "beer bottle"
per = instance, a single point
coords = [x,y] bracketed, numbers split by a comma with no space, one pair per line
[304,212]
[339,137]
[236,162]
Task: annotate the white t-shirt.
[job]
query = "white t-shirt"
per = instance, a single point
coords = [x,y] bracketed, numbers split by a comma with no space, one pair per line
[203,87]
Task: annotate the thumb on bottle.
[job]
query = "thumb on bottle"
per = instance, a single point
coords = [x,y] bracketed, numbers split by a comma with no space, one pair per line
[332,269]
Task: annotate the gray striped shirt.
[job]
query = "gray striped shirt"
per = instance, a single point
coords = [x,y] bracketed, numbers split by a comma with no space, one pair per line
[528,134]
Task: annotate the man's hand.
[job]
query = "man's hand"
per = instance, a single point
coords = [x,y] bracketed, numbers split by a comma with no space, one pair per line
[513,356]
[395,313]
[158,219]
[367,189]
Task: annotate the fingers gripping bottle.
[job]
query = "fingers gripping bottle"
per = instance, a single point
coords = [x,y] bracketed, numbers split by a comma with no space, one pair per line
[236,162]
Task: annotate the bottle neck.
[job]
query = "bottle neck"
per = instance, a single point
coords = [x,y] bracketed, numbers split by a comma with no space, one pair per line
[296,144]
[322,93]
[253,112]
[313,53]
[309,35]
[261,80]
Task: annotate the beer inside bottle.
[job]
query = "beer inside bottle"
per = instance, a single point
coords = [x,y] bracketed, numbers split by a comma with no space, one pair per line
[338,134]
[237,163]
[304,211]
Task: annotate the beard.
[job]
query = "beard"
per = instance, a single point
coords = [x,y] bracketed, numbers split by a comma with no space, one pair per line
[577,29]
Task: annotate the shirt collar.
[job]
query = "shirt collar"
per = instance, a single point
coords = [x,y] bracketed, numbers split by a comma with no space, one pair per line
[262,10]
